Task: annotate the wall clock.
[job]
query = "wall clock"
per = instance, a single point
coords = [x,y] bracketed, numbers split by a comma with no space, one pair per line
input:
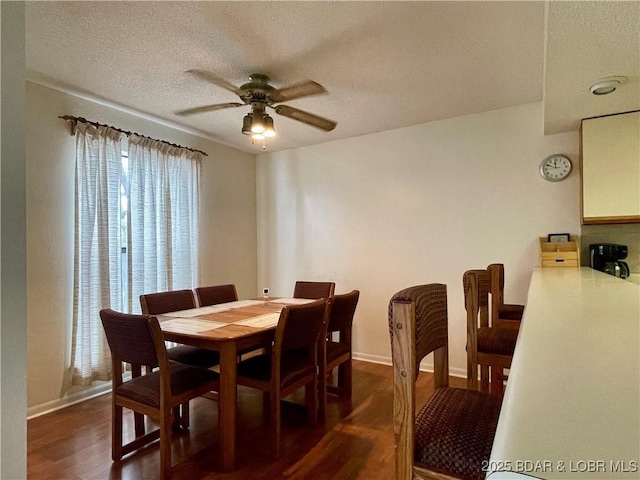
[555,168]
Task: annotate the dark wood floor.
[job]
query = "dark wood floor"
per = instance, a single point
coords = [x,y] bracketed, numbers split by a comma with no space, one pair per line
[356,442]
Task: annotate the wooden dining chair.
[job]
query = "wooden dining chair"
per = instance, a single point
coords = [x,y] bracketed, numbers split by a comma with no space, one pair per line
[489,348]
[216,294]
[338,350]
[313,290]
[138,340]
[452,434]
[291,364]
[173,301]
[503,315]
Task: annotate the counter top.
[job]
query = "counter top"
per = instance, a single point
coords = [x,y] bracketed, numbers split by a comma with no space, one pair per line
[572,403]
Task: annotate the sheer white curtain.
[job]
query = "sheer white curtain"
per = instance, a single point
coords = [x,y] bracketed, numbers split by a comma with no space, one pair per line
[97,266]
[164,210]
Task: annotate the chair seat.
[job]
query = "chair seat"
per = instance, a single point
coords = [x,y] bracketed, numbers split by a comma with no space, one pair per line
[511,312]
[336,349]
[294,366]
[454,432]
[499,341]
[146,389]
[198,357]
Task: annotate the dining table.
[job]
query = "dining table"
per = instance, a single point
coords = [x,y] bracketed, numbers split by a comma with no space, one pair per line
[229,328]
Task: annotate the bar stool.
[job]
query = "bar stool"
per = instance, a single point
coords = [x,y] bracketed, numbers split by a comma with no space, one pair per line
[488,347]
[503,315]
[452,434]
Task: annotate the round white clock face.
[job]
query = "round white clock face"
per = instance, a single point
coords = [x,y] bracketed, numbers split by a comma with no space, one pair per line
[555,168]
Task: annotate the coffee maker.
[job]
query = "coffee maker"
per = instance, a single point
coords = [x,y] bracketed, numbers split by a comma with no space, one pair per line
[607,257]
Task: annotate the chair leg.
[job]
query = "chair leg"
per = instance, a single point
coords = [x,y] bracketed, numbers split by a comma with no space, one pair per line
[184,418]
[472,369]
[276,432]
[340,381]
[322,391]
[345,379]
[138,421]
[176,418]
[484,378]
[311,400]
[266,404]
[497,381]
[165,445]
[136,371]
[116,432]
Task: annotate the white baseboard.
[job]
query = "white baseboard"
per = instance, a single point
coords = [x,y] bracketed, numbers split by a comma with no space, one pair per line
[365,357]
[77,396]
[424,366]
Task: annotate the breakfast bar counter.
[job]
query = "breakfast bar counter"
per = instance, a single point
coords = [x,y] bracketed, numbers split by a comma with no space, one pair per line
[572,403]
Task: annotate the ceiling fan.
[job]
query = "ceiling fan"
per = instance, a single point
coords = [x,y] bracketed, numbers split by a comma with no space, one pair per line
[260,95]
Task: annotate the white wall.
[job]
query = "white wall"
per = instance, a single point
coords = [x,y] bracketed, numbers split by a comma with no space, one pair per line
[376,213]
[415,205]
[228,225]
[13,341]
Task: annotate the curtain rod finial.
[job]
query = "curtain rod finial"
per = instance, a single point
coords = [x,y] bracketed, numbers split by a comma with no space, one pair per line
[72,120]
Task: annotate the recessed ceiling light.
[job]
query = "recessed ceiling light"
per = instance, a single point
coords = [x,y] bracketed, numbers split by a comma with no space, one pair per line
[608,85]
[605,88]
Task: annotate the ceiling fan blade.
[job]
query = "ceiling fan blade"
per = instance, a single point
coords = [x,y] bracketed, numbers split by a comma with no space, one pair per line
[211,78]
[306,117]
[207,108]
[298,90]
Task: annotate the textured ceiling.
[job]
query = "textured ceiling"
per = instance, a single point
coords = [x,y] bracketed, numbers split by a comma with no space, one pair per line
[385,65]
[588,41]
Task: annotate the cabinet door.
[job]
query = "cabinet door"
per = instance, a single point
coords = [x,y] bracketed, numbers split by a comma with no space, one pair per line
[611,169]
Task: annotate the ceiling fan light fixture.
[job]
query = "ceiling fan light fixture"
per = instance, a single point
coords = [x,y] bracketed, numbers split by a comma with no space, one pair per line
[257,126]
[269,129]
[246,124]
[259,95]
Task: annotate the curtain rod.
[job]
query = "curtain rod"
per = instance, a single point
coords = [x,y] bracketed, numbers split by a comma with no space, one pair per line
[74,121]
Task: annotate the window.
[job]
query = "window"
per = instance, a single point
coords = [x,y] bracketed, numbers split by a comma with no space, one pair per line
[137,223]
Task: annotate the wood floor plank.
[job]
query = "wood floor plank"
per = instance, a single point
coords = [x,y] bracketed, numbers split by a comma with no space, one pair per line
[355,443]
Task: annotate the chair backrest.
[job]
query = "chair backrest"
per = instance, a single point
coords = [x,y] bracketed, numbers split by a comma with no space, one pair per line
[300,327]
[343,308]
[134,339]
[476,303]
[313,290]
[496,289]
[216,294]
[452,436]
[476,285]
[163,302]
[502,315]
[418,325]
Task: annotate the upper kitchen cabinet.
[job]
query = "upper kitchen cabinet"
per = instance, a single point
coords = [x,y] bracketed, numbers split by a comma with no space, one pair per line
[611,169]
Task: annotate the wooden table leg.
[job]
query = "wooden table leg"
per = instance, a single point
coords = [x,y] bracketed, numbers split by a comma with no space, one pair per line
[227,406]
